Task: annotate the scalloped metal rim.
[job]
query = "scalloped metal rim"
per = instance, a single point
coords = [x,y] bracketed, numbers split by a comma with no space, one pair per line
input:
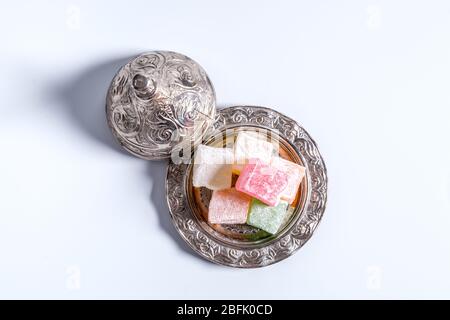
[299,233]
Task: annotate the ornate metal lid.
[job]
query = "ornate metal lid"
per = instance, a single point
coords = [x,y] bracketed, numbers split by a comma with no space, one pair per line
[158,101]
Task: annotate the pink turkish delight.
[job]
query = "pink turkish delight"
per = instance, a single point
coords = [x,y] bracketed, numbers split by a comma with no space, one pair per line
[263,182]
[228,206]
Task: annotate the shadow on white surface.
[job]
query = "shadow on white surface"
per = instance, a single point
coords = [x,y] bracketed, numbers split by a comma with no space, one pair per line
[157,171]
[84,99]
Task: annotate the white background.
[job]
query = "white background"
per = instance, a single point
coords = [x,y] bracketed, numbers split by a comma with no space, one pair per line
[369,80]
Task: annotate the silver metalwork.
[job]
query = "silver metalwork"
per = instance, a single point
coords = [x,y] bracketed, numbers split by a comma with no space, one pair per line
[158,101]
[211,246]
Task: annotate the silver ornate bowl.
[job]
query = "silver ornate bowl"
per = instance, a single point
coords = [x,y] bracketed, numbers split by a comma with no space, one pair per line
[160,105]
[244,246]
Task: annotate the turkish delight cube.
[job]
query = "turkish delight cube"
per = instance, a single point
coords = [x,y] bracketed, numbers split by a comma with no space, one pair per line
[249,145]
[213,167]
[265,217]
[295,175]
[228,207]
[262,181]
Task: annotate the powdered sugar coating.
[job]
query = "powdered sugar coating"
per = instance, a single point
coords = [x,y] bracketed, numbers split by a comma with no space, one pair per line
[250,145]
[228,207]
[267,218]
[213,167]
[295,174]
[262,181]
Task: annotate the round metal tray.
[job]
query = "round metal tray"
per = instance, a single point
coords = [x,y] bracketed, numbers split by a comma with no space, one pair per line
[240,245]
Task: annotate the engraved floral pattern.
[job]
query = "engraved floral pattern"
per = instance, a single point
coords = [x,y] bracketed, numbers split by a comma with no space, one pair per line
[156,101]
[190,229]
